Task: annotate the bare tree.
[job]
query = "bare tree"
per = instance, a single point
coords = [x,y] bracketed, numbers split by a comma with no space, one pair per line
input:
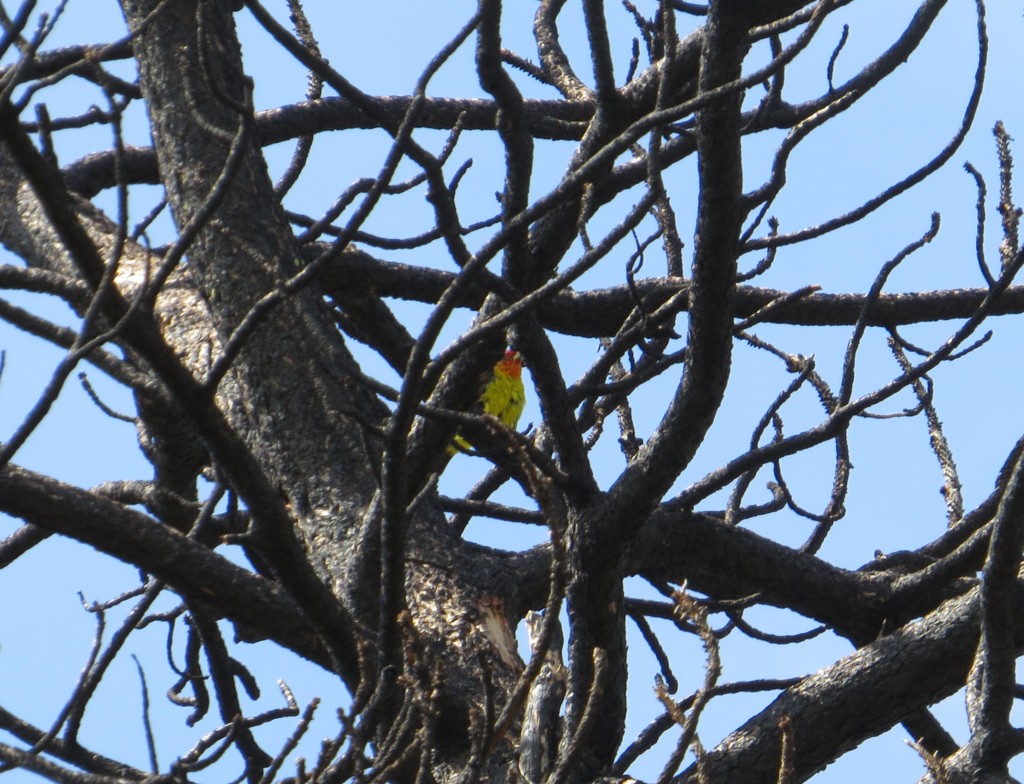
[244,341]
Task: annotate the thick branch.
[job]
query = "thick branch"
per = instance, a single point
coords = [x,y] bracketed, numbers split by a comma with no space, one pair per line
[601,312]
[195,572]
[856,698]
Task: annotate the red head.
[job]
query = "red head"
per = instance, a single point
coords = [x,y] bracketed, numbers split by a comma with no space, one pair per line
[511,364]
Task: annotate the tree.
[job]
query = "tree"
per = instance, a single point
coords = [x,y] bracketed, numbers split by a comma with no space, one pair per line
[290,405]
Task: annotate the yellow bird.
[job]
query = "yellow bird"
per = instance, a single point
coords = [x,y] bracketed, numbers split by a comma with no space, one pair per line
[504,396]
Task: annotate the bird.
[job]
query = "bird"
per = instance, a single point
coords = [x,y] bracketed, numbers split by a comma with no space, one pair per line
[504,396]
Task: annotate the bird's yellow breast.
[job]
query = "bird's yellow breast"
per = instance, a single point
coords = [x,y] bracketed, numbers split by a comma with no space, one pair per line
[505,398]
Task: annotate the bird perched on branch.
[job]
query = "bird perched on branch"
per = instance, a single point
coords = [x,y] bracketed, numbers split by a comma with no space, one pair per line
[504,396]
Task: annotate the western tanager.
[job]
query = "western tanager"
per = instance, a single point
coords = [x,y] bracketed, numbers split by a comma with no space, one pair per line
[504,396]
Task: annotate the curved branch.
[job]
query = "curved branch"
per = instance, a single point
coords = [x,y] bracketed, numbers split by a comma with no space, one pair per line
[712,289]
